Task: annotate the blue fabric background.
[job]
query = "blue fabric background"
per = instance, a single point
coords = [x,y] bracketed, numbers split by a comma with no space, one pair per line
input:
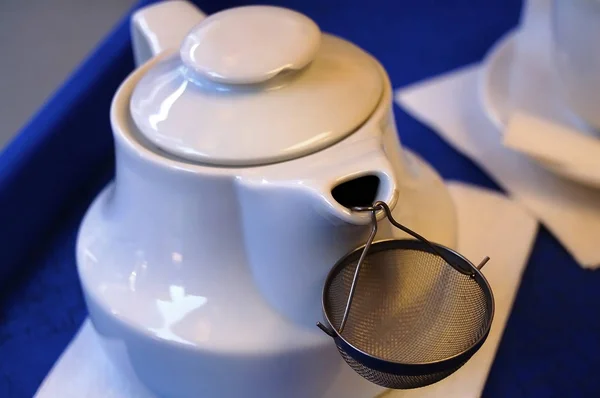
[50,173]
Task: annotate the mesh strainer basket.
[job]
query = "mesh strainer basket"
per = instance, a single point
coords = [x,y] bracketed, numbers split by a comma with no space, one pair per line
[406,313]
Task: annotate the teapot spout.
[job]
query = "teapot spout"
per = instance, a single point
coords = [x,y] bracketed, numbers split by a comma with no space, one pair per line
[162,26]
[289,265]
[363,176]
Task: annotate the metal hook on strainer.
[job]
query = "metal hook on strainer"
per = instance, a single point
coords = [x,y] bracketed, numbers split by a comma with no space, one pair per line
[406,313]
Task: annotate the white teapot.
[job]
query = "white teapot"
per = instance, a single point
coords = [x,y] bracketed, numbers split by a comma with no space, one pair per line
[242,140]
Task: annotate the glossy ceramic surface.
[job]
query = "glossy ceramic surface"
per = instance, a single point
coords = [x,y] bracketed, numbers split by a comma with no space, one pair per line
[494,90]
[494,86]
[194,106]
[153,28]
[250,44]
[206,281]
[575,31]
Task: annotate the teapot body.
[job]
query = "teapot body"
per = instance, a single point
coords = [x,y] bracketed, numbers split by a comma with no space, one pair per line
[206,281]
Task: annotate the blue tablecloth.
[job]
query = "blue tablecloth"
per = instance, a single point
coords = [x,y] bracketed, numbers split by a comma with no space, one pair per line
[50,173]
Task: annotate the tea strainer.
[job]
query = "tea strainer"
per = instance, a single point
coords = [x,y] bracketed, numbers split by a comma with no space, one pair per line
[406,313]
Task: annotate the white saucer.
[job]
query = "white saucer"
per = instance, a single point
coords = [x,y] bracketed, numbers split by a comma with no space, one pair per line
[494,84]
[494,94]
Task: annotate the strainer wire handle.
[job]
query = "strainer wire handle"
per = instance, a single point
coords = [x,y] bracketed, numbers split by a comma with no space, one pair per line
[383,206]
[388,213]
[373,209]
[356,272]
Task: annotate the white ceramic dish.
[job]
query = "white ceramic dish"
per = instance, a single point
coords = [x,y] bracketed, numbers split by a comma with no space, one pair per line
[494,87]
[575,28]
[187,340]
[494,93]
[203,263]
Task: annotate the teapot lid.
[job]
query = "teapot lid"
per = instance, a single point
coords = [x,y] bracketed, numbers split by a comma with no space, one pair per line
[255,85]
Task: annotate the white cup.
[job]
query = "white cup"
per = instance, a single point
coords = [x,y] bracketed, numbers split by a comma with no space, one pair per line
[576,37]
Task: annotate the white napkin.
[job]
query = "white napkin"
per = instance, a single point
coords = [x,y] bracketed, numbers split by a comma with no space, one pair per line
[535,94]
[574,154]
[449,104]
[484,219]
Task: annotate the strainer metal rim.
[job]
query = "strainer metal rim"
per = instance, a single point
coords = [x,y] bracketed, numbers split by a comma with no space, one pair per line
[408,369]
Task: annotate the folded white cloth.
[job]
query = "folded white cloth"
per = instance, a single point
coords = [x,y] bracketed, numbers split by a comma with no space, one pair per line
[449,104]
[574,155]
[484,219]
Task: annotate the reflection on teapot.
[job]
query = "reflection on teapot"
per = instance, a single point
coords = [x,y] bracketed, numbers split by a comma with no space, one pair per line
[242,140]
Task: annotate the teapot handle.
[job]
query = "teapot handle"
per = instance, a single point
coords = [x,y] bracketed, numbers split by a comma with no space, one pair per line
[162,26]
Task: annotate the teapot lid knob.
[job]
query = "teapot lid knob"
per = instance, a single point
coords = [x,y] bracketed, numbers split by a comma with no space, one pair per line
[250,44]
